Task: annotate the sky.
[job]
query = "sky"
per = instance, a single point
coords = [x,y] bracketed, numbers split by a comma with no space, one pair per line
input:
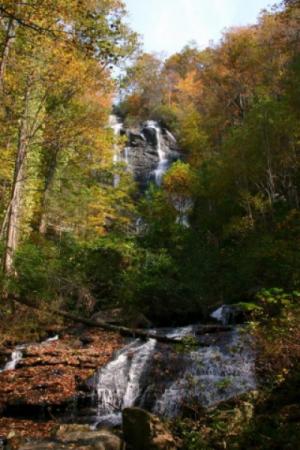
[168,25]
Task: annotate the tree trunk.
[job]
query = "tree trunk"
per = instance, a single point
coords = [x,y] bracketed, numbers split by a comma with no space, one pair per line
[49,169]
[125,331]
[8,40]
[14,208]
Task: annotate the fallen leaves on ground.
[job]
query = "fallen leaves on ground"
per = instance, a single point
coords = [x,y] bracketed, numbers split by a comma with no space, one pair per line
[52,373]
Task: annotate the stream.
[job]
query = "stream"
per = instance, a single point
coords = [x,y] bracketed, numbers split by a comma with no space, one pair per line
[208,369]
[166,379]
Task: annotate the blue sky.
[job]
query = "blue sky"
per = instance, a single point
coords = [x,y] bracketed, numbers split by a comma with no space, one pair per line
[168,25]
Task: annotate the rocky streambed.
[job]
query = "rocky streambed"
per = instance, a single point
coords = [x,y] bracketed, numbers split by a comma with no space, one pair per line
[91,378]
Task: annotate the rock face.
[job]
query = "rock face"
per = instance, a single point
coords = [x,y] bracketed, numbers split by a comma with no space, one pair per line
[71,437]
[147,146]
[230,315]
[143,431]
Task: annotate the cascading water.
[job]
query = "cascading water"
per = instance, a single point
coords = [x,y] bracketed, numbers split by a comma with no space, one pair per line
[148,154]
[158,378]
[119,384]
[164,162]
[15,358]
[17,354]
[116,126]
[211,375]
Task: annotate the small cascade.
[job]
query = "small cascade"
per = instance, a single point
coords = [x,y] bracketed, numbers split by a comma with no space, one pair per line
[228,315]
[15,358]
[116,125]
[118,385]
[51,339]
[220,315]
[211,375]
[17,354]
[163,163]
[159,378]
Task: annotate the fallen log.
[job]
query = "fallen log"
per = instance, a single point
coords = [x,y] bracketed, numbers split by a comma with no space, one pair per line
[124,331]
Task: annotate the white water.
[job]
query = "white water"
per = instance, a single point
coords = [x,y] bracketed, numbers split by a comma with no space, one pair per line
[163,163]
[119,383]
[207,374]
[212,375]
[17,354]
[219,315]
[15,358]
[171,137]
[118,156]
[123,155]
[115,124]
[52,339]
[225,314]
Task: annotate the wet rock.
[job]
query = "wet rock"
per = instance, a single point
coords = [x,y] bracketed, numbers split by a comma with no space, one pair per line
[150,135]
[230,315]
[83,434]
[170,140]
[143,431]
[77,437]
[136,139]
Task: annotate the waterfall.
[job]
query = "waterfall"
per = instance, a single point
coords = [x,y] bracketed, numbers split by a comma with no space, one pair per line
[163,163]
[116,126]
[161,379]
[212,375]
[228,314]
[148,154]
[15,358]
[17,354]
[118,385]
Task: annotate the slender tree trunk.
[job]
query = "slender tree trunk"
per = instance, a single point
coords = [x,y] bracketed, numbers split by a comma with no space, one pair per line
[50,169]
[270,182]
[8,41]
[14,209]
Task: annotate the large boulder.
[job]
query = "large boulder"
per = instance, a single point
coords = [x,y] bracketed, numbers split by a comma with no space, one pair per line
[71,437]
[82,434]
[144,431]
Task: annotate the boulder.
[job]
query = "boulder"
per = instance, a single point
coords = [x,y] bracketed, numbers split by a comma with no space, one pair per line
[71,437]
[82,434]
[144,431]
[170,140]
